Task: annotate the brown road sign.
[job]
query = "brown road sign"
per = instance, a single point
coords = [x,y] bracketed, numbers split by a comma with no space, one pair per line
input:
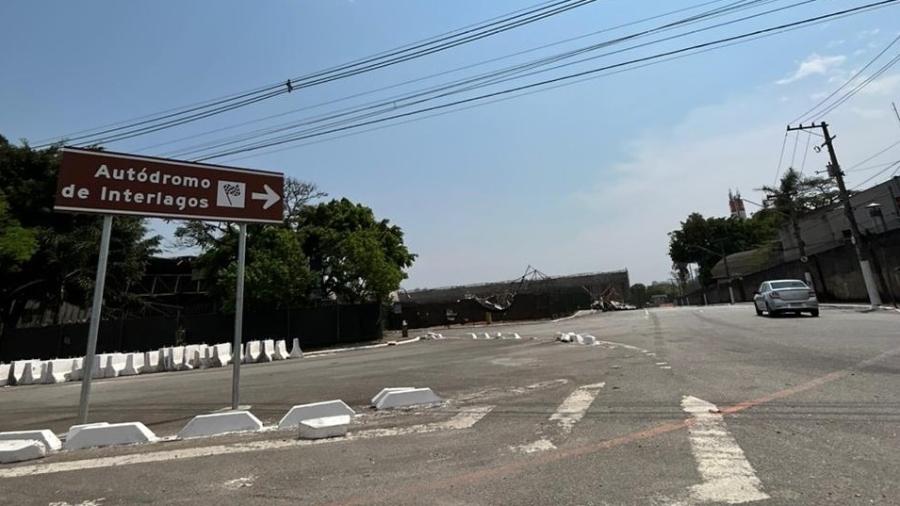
[116,183]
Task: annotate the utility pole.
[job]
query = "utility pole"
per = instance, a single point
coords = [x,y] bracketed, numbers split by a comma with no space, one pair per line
[834,170]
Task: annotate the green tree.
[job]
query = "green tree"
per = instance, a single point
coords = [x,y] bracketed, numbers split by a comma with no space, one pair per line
[17,244]
[796,195]
[63,258]
[276,274]
[703,240]
[356,257]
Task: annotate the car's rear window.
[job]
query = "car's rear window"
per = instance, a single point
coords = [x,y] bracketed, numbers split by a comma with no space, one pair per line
[788,284]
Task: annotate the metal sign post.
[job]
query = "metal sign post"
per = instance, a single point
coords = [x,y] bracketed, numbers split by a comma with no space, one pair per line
[108,183]
[238,320]
[90,353]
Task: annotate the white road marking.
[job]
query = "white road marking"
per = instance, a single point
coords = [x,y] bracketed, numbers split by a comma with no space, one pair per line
[646,314]
[238,483]
[575,406]
[463,420]
[662,363]
[727,475]
[569,413]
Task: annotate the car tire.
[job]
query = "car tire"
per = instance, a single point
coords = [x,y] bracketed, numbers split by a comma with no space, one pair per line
[814,313]
[769,310]
[758,311]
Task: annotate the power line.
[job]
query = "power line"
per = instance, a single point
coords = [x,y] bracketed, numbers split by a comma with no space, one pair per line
[876,155]
[847,96]
[880,172]
[780,159]
[398,55]
[543,83]
[466,67]
[495,78]
[539,90]
[805,115]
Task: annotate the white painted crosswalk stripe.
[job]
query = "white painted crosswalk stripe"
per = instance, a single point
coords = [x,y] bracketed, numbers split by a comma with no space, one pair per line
[569,413]
[727,475]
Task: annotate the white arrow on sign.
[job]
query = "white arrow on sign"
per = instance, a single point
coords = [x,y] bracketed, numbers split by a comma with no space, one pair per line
[269,196]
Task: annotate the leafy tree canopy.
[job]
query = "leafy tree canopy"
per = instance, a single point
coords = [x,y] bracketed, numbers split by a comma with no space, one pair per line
[703,240]
[332,250]
[52,257]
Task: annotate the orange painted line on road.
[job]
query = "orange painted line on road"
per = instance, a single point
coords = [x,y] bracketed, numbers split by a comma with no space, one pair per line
[482,474]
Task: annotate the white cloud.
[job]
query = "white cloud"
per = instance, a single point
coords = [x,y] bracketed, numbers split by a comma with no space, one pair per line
[818,95]
[868,33]
[814,64]
[868,113]
[859,52]
[690,166]
[835,43]
[885,85]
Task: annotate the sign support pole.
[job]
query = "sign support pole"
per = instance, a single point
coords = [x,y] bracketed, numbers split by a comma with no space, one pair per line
[238,319]
[93,330]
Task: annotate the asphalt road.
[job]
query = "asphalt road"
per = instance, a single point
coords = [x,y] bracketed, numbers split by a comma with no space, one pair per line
[675,406]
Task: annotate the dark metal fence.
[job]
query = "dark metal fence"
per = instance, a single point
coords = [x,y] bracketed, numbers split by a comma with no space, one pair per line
[315,327]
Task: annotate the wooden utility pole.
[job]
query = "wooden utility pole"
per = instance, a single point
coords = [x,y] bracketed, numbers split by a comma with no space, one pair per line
[834,170]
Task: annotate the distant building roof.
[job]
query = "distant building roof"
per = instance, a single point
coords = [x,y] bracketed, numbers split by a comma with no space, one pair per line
[591,280]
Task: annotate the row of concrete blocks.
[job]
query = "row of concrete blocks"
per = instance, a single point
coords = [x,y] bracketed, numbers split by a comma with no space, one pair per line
[177,358]
[571,337]
[497,335]
[315,421]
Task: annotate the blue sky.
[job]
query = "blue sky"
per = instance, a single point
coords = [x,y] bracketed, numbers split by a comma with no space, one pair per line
[581,178]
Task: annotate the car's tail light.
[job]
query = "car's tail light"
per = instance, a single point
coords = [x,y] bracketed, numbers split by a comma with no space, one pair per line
[776,295]
[812,294]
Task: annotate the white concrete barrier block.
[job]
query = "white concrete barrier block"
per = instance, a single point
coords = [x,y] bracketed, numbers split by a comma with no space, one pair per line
[405,398]
[30,373]
[77,367]
[280,352]
[46,437]
[133,364]
[20,450]
[17,369]
[220,423]
[176,359]
[314,410]
[474,335]
[110,435]
[486,335]
[267,352]
[151,362]
[115,364]
[204,356]
[329,426]
[4,374]
[589,339]
[35,373]
[296,352]
[516,335]
[252,352]
[221,355]
[75,428]
[384,391]
[56,371]
[191,358]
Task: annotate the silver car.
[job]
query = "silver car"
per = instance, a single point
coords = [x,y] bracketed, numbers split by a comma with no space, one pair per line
[785,296]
